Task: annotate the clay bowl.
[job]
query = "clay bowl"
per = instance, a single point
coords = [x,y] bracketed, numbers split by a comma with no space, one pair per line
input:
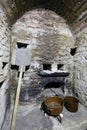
[53,105]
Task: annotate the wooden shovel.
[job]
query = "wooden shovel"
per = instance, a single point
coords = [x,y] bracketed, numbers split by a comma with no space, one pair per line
[23,58]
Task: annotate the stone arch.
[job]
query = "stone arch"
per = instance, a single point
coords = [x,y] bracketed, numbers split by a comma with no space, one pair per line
[45,81]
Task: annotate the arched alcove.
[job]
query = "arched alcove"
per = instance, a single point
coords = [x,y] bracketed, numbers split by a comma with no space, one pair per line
[51,41]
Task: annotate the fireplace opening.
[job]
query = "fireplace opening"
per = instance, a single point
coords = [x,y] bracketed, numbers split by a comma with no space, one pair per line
[53,85]
[20,45]
[73,51]
[14,67]
[60,66]
[27,67]
[46,66]
[4,64]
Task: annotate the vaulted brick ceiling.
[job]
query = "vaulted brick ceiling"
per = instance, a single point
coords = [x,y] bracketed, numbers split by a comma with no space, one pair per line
[68,9]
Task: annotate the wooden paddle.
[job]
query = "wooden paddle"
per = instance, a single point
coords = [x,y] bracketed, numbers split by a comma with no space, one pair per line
[23,58]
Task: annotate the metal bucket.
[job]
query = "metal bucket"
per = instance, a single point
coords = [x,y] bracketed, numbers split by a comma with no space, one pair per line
[53,105]
[71,103]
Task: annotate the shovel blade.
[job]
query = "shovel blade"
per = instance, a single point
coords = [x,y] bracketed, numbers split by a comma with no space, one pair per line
[23,56]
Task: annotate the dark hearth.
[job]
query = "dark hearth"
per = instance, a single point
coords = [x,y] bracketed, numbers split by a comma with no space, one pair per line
[53,85]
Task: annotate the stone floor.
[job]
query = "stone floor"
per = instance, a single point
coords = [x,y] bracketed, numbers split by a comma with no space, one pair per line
[30,117]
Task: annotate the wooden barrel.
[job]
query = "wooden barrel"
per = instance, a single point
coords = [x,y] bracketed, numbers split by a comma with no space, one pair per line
[71,103]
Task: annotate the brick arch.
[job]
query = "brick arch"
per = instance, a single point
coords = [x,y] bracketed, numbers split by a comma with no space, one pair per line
[48,80]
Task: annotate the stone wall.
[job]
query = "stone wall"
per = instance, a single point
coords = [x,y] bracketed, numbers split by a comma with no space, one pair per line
[80,23]
[79,30]
[51,42]
[80,60]
[4,64]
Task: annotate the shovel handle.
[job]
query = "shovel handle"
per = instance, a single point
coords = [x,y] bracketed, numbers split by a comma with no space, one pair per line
[12,127]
